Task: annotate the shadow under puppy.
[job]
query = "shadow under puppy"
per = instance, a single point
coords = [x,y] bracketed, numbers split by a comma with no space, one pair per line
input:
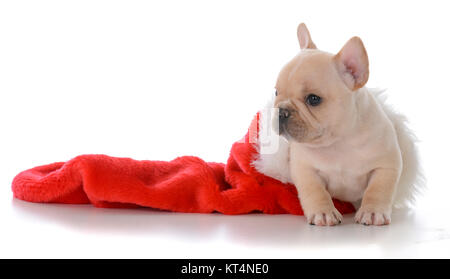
[341,139]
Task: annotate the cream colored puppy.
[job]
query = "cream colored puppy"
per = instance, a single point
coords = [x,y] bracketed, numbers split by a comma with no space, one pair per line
[342,142]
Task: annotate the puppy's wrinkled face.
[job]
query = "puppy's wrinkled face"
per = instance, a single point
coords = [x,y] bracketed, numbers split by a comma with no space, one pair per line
[315,91]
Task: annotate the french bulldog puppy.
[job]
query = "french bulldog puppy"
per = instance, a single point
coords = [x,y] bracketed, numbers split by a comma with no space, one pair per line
[342,143]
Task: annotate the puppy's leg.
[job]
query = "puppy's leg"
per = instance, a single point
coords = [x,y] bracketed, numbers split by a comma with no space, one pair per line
[316,201]
[376,205]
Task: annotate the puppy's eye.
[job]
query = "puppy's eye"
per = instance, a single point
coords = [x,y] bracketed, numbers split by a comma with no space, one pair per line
[276,93]
[313,100]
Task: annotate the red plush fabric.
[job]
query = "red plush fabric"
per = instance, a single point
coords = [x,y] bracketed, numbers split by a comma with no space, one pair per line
[185,184]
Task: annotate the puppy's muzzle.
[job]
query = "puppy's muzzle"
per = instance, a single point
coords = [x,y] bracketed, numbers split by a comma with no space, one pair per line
[283,115]
[290,124]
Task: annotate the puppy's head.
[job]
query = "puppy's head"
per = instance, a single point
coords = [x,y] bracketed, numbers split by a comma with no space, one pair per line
[315,91]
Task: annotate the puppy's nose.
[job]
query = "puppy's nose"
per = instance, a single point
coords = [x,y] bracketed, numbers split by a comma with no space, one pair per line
[283,114]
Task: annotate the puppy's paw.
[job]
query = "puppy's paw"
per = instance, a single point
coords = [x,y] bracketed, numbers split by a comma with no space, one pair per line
[324,216]
[373,216]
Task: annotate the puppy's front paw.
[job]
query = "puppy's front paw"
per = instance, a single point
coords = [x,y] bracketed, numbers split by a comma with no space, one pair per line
[324,216]
[373,216]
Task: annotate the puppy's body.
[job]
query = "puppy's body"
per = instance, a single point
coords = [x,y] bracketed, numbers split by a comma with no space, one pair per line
[343,141]
[345,164]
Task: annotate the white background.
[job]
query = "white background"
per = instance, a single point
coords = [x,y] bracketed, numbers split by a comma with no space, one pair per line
[160,79]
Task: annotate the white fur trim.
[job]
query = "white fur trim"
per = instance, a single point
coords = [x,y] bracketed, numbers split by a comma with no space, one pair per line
[273,150]
[412,179]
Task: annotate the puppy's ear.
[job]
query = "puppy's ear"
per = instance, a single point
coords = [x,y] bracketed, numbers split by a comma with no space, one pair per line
[353,64]
[304,38]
